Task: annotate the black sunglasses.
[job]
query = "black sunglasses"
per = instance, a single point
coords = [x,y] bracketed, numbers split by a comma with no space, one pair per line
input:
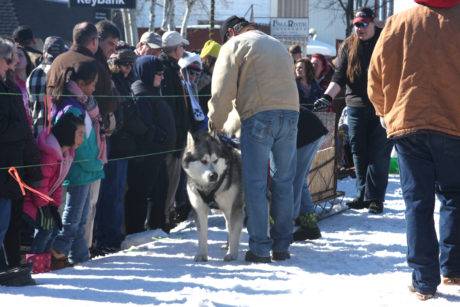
[159,73]
[361,24]
[193,72]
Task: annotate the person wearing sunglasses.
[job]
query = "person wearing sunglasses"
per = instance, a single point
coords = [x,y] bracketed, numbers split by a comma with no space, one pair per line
[150,122]
[369,145]
[191,68]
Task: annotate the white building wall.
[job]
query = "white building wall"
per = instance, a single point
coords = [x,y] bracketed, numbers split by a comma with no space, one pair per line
[224,9]
[328,23]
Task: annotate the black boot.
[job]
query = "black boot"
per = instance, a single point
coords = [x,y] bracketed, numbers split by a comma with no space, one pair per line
[375,207]
[251,257]
[281,256]
[358,203]
[17,277]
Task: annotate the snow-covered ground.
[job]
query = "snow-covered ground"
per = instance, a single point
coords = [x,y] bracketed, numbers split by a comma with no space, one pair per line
[360,261]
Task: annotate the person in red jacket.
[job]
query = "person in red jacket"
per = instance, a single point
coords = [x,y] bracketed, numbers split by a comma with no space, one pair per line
[57,154]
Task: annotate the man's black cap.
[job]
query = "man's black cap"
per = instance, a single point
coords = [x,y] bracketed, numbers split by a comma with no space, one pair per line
[230,23]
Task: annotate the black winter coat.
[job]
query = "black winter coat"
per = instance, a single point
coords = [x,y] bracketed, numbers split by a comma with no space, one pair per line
[310,127]
[172,86]
[356,91]
[17,145]
[150,120]
[121,143]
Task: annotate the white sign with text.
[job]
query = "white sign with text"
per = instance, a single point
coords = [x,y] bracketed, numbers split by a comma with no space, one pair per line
[280,27]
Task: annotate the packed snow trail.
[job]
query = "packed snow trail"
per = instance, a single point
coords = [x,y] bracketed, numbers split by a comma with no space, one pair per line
[360,261]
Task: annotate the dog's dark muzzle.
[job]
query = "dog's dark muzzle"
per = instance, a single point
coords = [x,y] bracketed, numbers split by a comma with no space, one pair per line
[212,177]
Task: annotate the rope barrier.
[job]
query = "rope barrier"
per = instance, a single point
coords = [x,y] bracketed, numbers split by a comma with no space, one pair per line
[105,96]
[120,96]
[23,186]
[86,160]
[47,99]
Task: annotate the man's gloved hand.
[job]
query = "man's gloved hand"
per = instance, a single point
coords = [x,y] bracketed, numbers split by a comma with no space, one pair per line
[56,216]
[382,122]
[322,103]
[45,218]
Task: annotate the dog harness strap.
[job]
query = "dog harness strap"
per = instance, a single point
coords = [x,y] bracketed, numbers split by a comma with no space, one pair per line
[209,198]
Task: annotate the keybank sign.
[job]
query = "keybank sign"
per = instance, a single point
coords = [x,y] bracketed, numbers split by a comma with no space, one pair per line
[289,27]
[105,4]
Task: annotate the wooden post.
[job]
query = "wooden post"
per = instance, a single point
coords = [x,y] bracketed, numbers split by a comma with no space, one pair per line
[211,18]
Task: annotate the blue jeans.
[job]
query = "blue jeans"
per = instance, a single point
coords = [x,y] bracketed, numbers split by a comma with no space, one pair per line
[110,210]
[43,240]
[302,198]
[71,239]
[274,131]
[428,164]
[371,153]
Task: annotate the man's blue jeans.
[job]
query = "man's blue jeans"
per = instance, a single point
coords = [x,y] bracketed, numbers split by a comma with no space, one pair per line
[302,198]
[71,239]
[429,164]
[110,207]
[371,153]
[274,131]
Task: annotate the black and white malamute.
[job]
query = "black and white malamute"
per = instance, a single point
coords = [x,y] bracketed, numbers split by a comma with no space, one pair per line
[214,181]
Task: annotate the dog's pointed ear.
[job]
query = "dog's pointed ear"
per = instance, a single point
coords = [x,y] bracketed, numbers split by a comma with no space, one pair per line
[190,140]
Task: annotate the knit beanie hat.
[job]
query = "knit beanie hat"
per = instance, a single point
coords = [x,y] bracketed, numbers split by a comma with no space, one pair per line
[210,48]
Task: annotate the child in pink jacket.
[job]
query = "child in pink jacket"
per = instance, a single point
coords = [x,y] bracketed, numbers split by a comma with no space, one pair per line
[57,150]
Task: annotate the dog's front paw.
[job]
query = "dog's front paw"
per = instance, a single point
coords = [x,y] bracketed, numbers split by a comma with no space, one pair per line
[230,257]
[201,258]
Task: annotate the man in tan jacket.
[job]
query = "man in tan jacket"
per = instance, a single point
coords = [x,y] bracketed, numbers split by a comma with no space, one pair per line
[416,92]
[255,71]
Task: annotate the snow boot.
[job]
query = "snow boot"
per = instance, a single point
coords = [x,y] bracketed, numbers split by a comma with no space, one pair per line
[375,207]
[308,228]
[41,263]
[358,203]
[421,296]
[451,281]
[251,257]
[17,277]
[280,256]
